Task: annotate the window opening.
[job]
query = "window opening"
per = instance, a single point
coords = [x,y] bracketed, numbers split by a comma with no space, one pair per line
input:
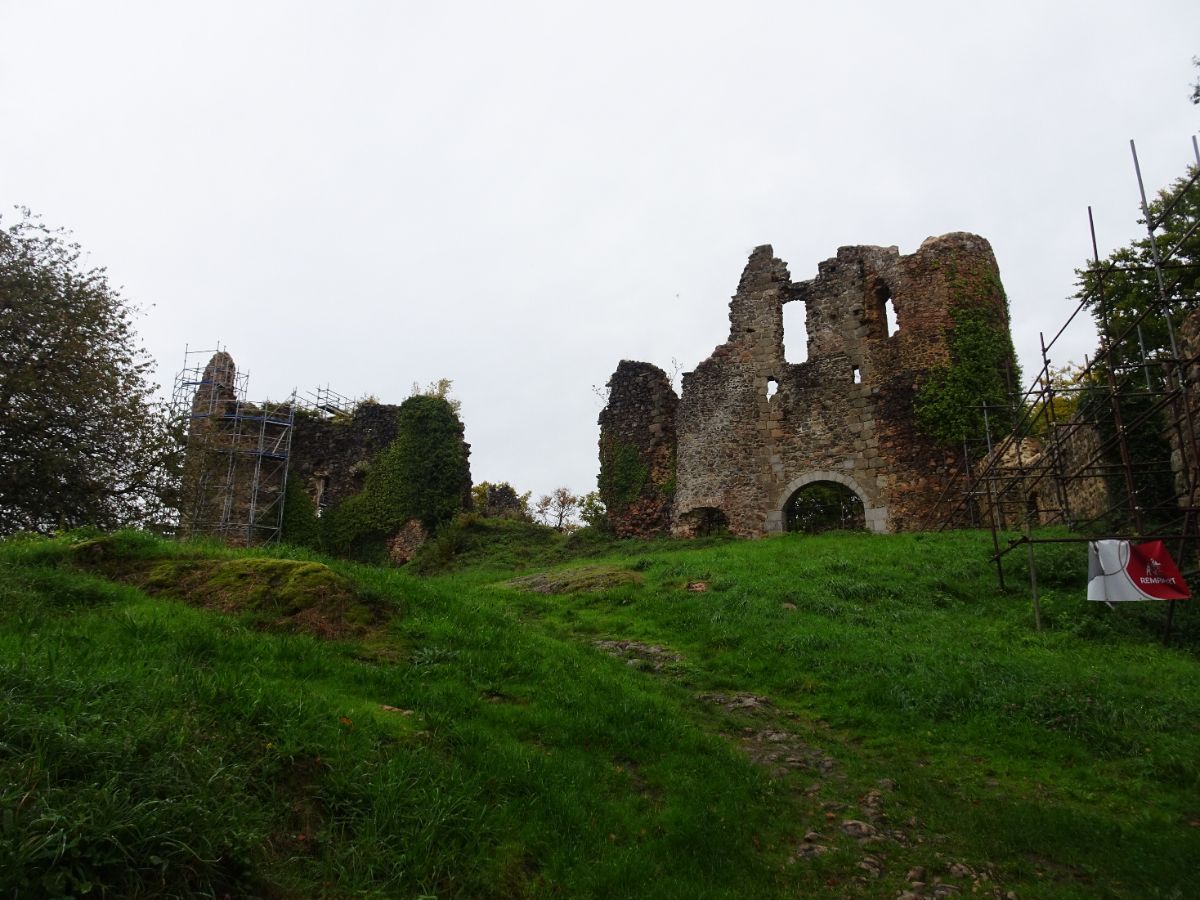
[772,388]
[705,521]
[857,375]
[795,332]
[885,310]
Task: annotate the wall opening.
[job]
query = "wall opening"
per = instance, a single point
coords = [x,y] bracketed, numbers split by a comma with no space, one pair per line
[795,332]
[824,506]
[857,374]
[885,310]
[704,521]
[772,388]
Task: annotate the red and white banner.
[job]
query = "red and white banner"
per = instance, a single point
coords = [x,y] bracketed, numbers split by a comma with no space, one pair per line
[1121,570]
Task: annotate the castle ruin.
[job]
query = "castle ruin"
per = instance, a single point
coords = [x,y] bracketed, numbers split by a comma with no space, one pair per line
[240,457]
[749,430]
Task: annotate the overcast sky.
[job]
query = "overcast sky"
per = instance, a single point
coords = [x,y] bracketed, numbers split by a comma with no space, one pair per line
[518,195]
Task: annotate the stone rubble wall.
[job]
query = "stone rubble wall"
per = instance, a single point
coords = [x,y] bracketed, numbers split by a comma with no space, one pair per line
[330,456]
[217,478]
[639,422]
[741,452]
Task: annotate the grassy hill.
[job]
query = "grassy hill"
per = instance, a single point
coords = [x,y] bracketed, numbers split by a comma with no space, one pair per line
[522,716]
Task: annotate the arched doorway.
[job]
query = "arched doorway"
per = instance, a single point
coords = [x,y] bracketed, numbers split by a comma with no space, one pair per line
[875,518]
[824,506]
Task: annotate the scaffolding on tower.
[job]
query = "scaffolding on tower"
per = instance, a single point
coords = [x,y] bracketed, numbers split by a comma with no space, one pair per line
[235,452]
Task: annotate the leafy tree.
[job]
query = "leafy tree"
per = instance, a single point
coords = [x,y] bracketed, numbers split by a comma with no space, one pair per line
[501,501]
[82,440]
[557,509]
[1072,386]
[593,512]
[1135,317]
[1125,286]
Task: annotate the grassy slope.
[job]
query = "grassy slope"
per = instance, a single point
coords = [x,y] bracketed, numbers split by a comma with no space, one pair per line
[461,734]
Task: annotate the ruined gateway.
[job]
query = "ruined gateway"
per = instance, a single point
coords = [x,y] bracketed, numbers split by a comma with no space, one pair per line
[749,429]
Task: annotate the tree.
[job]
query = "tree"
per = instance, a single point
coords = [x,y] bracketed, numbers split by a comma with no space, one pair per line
[593,512]
[1135,315]
[501,501]
[82,440]
[557,508]
[1125,285]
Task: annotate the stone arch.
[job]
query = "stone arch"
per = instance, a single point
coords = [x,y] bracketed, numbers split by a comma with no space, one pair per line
[876,516]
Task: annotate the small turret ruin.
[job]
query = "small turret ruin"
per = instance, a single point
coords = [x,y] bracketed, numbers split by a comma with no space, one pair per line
[749,429]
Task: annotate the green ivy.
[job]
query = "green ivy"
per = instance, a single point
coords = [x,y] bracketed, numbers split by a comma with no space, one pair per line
[423,474]
[300,526]
[622,474]
[949,402]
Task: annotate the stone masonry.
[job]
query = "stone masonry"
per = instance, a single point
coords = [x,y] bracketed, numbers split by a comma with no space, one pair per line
[638,433]
[750,429]
[329,456]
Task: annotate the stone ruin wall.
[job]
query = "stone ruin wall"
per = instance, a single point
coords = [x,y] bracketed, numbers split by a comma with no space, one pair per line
[329,458]
[844,415]
[638,434]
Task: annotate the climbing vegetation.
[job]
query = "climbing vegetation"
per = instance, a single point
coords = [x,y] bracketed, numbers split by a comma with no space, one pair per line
[300,526]
[622,474]
[958,401]
[423,474]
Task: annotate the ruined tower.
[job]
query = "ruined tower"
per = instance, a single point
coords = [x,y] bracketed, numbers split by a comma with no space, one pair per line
[751,429]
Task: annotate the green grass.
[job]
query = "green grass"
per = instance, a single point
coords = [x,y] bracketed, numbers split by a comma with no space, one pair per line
[190,720]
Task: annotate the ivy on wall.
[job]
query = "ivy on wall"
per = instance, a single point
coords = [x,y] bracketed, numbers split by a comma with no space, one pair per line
[423,474]
[622,474]
[949,405]
[300,526]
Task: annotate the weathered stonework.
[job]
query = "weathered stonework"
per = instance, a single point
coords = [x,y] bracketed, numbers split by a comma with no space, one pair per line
[330,456]
[231,487]
[240,456]
[637,450]
[405,543]
[743,447]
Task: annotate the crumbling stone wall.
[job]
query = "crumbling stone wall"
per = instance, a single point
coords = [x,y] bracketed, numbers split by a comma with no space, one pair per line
[330,456]
[637,450]
[225,482]
[222,487]
[752,428]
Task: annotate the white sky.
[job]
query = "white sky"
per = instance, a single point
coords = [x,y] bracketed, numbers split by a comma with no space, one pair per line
[518,195]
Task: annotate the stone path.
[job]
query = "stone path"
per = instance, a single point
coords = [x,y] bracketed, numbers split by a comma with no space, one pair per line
[648,657]
[770,738]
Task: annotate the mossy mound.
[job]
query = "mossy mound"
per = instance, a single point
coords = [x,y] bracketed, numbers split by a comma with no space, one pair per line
[579,580]
[280,594]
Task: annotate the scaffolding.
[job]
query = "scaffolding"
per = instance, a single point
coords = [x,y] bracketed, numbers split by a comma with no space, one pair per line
[235,452]
[1110,448]
[326,403]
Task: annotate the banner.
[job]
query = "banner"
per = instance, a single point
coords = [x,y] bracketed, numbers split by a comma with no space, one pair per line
[1123,571]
